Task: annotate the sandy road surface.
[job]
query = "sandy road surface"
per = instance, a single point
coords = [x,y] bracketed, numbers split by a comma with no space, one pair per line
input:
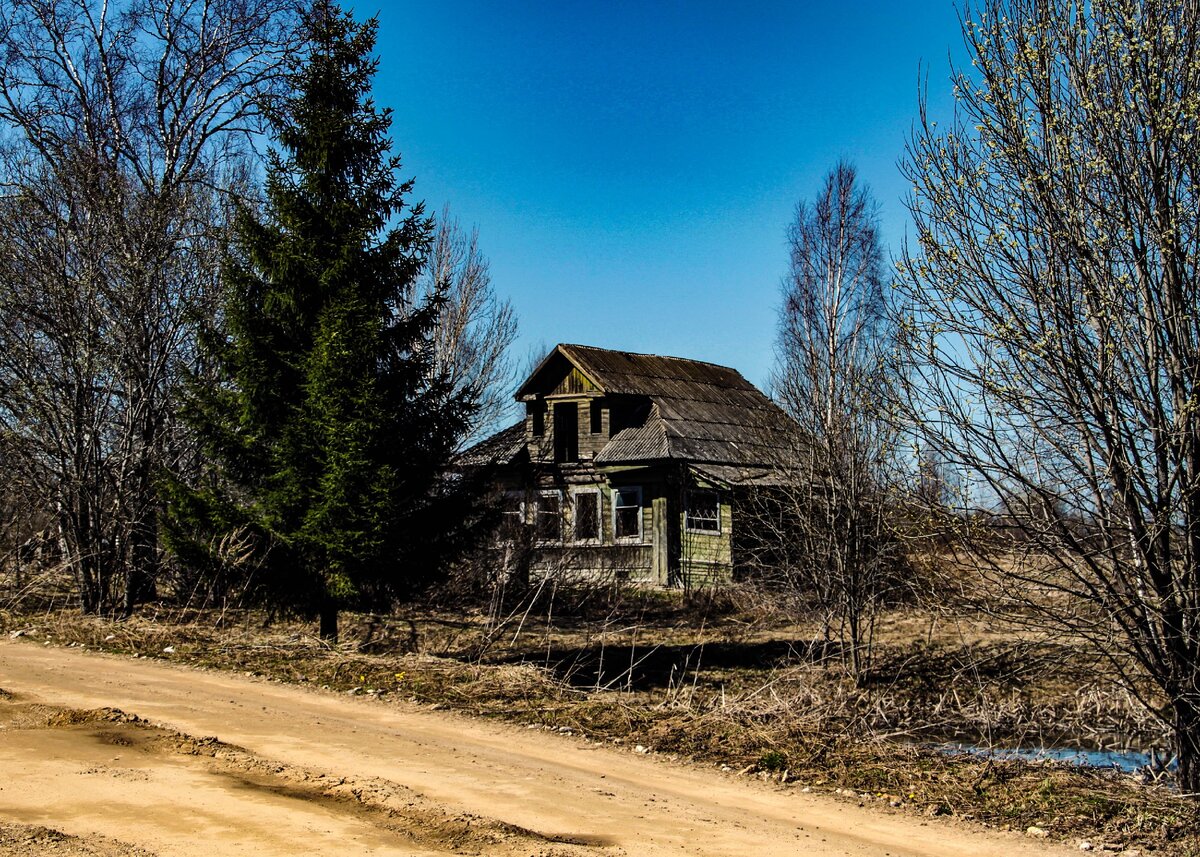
[304,772]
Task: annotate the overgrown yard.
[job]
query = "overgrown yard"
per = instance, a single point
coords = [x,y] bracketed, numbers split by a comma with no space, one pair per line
[728,680]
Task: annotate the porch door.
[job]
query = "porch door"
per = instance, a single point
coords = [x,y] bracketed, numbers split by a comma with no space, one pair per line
[566,432]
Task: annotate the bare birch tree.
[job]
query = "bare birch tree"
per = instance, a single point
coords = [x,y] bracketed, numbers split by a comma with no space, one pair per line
[834,377]
[475,328]
[1054,323]
[121,126]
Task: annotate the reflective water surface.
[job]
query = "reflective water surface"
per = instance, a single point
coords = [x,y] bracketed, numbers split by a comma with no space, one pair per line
[1125,760]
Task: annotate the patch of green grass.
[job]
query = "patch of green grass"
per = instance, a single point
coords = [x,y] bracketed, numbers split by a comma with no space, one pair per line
[772,760]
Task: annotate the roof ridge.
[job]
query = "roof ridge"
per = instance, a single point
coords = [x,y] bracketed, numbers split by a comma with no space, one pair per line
[643,354]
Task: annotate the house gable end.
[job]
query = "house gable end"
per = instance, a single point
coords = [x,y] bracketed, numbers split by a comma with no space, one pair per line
[558,375]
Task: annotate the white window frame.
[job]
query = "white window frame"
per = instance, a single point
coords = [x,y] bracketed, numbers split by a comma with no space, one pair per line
[687,518]
[537,517]
[599,539]
[637,539]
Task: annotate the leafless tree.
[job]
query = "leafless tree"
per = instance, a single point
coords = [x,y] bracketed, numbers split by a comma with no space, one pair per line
[123,124]
[475,328]
[834,377]
[1054,324]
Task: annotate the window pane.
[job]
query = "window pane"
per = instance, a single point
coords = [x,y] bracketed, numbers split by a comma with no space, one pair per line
[703,511]
[627,513]
[512,515]
[628,523]
[587,516]
[549,518]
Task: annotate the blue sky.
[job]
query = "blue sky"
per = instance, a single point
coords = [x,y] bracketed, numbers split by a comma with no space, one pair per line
[632,167]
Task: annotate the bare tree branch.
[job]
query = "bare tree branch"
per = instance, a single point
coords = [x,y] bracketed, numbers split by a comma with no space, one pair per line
[1054,325]
[124,126]
[827,528]
[475,327]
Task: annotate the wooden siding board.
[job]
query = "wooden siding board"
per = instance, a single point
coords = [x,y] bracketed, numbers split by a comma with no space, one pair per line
[574,383]
[622,562]
[707,558]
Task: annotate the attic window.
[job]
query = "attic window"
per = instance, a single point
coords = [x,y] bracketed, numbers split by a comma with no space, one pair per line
[597,417]
[703,512]
[566,432]
[537,410]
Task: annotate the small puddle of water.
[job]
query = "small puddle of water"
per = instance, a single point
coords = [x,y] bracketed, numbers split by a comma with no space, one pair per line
[1129,761]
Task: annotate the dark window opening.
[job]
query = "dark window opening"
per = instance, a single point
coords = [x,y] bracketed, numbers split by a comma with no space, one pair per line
[627,513]
[548,523]
[566,432]
[703,513]
[623,415]
[537,410]
[587,516]
[597,417]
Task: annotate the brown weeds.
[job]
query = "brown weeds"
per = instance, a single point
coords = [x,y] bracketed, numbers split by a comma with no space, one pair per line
[728,689]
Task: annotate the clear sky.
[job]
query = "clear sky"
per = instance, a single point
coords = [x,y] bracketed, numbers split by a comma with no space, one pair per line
[632,166]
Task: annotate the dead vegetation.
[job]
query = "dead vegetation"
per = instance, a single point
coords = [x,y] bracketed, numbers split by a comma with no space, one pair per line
[728,679]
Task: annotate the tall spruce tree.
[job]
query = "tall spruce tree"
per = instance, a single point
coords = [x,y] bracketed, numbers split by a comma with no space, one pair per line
[330,429]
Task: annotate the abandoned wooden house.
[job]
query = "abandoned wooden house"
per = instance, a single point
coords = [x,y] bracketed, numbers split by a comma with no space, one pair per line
[630,465]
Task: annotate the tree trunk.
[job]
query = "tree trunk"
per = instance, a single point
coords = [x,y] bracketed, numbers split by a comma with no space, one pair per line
[329,621]
[141,570]
[1187,743]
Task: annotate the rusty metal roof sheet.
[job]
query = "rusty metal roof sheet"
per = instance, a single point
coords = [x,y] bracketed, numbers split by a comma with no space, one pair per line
[617,372]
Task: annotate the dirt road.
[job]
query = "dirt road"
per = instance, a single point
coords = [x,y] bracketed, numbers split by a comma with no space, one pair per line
[228,765]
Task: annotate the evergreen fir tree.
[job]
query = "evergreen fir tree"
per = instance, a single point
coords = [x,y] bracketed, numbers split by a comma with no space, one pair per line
[331,432]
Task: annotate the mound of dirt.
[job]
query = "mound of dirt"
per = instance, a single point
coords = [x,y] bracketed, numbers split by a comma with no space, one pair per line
[20,840]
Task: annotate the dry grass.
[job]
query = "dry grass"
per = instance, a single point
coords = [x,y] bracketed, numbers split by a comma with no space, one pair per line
[727,682]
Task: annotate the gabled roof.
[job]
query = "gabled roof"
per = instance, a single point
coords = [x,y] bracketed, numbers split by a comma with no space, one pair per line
[699,412]
[627,373]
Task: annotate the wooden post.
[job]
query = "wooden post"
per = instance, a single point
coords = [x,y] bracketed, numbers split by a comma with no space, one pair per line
[661,530]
